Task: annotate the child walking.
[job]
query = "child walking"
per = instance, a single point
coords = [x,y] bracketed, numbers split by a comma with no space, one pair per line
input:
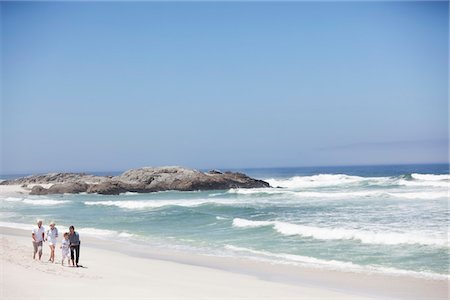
[65,246]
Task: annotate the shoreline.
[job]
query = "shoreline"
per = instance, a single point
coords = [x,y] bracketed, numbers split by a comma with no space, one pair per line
[128,243]
[258,275]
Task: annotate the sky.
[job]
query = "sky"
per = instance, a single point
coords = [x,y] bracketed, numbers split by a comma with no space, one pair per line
[92,86]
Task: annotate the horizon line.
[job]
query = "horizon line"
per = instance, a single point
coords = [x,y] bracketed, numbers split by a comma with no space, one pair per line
[227,168]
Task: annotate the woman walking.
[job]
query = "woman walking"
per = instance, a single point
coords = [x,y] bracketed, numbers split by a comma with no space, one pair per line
[52,236]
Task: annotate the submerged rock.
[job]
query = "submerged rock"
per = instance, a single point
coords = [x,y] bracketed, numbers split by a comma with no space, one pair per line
[142,180]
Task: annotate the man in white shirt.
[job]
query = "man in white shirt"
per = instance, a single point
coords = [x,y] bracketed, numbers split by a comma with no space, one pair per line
[37,234]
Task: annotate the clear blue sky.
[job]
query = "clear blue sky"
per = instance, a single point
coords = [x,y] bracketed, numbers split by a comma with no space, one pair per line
[111,86]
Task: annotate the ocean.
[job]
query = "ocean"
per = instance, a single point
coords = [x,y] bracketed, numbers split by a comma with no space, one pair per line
[374,219]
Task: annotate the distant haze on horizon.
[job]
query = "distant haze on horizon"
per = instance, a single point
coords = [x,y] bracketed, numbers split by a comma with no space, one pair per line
[109,86]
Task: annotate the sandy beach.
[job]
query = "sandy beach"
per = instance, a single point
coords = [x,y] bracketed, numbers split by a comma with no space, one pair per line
[145,274]
[110,274]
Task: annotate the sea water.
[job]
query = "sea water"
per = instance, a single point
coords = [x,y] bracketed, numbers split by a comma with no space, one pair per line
[385,219]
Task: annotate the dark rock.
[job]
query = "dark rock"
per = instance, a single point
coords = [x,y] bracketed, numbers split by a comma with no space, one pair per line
[214,172]
[38,190]
[61,188]
[68,188]
[142,180]
[55,178]
[111,188]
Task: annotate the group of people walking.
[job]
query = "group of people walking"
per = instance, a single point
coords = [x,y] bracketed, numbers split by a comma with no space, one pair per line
[70,243]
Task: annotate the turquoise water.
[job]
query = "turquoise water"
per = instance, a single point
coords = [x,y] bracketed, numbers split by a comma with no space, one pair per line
[390,219]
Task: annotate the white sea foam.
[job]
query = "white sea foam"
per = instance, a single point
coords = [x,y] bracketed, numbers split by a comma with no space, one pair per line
[104,233]
[124,204]
[424,183]
[320,180]
[237,222]
[308,194]
[364,236]
[332,180]
[342,195]
[13,199]
[430,177]
[434,194]
[334,264]
[36,201]
[142,204]
[269,191]
[341,186]
[44,201]
[421,195]
[216,194]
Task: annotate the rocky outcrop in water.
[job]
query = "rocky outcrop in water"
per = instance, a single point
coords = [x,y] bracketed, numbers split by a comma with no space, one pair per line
[143,180]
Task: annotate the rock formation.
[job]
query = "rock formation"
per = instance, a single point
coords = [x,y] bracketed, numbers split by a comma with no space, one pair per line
[143,180]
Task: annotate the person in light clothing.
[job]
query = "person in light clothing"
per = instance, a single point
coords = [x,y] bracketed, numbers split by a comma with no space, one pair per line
[52,235]
[37,234]
[65,247]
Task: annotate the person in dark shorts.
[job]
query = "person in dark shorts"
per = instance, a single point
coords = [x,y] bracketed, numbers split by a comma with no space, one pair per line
[74,240]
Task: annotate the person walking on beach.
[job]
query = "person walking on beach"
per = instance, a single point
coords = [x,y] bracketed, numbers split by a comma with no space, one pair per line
[65,249]
[37,234]
[52,235]
[74,240]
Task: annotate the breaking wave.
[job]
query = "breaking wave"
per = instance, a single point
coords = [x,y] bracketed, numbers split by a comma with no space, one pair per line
[30,201]
[363,236]
[333,180]
[436,194]
[142,204]
[104,233]
[430,177]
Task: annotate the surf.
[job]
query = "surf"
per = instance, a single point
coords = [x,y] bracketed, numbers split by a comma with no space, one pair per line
[362,236]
